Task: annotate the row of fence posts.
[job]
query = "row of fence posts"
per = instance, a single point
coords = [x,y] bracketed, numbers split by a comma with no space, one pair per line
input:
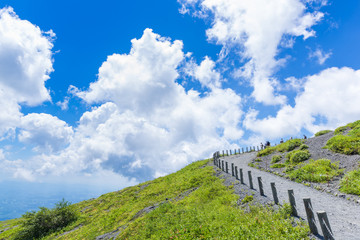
[322,216]
[240,151]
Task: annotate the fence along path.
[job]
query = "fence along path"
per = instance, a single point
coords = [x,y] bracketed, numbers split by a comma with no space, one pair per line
[343,215]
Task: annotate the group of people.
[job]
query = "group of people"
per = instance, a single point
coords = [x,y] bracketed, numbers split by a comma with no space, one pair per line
[267,143]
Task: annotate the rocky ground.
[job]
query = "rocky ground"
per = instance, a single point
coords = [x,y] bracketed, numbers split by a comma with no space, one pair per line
[316,144]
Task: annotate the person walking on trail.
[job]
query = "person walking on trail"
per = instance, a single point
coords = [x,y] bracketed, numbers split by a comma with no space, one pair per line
[262,146]
[267,144]
[282,140]
[305,136]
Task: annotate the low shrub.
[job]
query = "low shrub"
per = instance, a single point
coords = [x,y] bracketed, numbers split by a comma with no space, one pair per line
[248,198]
[266,151]
[344,144]
[289,145]
[321,170]
[303,147]
[350,183]
[276,158]
[258,160]
[340,130]
[322,133]
[45,221]
[297,156]
[278,165]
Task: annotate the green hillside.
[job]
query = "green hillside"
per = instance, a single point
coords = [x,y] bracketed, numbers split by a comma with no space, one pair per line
[190,204]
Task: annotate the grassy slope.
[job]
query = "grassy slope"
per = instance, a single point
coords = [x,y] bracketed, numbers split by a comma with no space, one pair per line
[191,204]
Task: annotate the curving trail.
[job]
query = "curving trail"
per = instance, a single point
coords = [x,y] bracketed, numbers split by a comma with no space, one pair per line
[343,215]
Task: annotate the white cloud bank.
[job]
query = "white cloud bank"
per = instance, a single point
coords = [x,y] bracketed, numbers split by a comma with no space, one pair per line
[25,65]
[256,29]
[332,95]
[147,124]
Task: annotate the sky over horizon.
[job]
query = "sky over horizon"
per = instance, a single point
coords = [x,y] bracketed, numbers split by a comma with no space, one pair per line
[120,92]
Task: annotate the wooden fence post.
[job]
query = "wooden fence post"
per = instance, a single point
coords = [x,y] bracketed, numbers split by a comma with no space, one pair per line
[230,152]
[310,216]
[232,170]
[261,186]
[325,225]
[241,176]
[274,192]
[222,165]
[292,202]
[236,173]
[227,167]
[250,180]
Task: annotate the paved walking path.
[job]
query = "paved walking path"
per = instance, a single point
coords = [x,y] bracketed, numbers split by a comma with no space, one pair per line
[343,215]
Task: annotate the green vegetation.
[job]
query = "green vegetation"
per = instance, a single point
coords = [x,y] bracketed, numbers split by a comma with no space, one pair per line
[322,133]
[247,198]
[321,170]
[278,165]
[283,147]
[289,145]
[350,183]
[45,221]
[190,204]
[275,158]
[347,144]
[258,160]
[266,151]
[297,156]
[303,147]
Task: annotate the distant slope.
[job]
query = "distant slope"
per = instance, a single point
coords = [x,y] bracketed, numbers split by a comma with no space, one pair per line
[329,162]
[190,204]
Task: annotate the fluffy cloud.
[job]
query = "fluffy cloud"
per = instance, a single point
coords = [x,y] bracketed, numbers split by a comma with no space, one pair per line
[147,125]
[256,29]
[205,73]
[46,132]
[329,99]
[25,65]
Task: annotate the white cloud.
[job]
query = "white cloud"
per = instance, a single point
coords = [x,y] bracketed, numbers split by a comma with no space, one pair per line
[25,65]
[205,73]
[46,132]
[256,29]
[320,56]
[147,124]
[332,96]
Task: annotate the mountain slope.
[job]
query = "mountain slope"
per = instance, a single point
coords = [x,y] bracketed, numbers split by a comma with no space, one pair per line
[190,204]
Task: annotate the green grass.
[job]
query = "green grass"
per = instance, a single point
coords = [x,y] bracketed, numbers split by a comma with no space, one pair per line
[266,151]
[192,204]
[278,165]
[297,156]
[321,170]
[283,147]
[247,198]
[322,133]
[289,145]
[350,183]
[276,158]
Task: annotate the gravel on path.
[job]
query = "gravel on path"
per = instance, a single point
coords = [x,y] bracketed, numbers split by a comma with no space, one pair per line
[343,215]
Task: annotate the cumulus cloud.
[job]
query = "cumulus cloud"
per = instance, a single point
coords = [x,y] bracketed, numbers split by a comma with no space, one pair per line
[256,29]
[146,124]
[205,73]
[329,99]
[45,132]
[25,65]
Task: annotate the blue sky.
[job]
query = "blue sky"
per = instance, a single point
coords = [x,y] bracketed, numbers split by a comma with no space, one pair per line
[120,92]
